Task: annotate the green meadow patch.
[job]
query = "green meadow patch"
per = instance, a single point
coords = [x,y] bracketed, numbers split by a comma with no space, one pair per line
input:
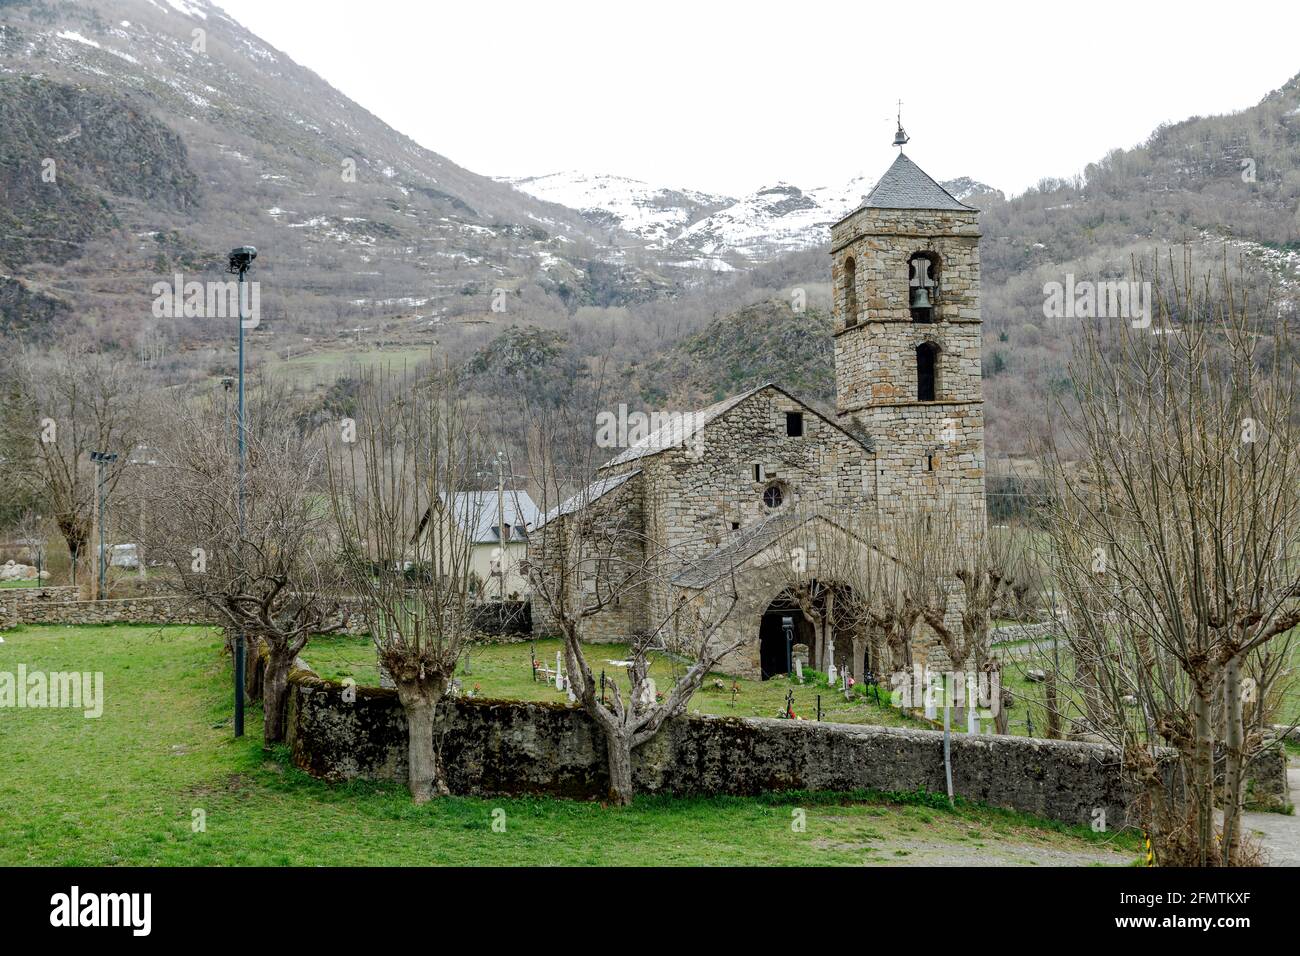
[159,780]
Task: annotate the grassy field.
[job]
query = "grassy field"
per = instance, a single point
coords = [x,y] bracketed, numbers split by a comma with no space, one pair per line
[130,787]
[1030,696]
[505,670]
[325,365]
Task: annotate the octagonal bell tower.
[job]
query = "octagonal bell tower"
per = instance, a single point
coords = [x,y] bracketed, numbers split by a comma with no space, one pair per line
[906,270]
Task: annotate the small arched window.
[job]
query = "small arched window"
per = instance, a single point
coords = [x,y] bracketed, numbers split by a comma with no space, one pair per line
[850,292]
[927,371]
[923,286]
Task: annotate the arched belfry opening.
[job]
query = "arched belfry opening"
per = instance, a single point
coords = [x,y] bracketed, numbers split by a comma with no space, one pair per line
[850,292]
[923,286]
[927,371]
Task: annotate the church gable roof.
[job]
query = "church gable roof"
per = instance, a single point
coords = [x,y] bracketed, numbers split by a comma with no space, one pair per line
[746,544]
[681,428]
[594,491]
[906,185]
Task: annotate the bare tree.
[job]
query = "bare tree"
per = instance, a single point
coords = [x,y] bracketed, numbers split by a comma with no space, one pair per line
[849,585]
[33,532]
[60,407]
[591,557]
[947,555]
[405,550]
[276,582]
[1177,559]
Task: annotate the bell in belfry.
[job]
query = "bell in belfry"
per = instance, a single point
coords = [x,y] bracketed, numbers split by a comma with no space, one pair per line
[920,297]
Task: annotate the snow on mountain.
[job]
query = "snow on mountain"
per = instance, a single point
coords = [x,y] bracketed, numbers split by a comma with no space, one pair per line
[775,220]
[964,188]
[707,231]
[656,214]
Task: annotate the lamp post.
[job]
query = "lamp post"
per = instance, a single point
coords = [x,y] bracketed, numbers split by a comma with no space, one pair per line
[227,383]
[101,459]
[240,261]
[140,456]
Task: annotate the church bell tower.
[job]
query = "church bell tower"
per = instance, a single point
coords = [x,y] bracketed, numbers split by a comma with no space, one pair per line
[906,272]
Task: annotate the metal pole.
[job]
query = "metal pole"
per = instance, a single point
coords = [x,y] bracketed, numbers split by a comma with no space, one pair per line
[139,548]
[239,430]
[501,526]
[947,744]
[99,512]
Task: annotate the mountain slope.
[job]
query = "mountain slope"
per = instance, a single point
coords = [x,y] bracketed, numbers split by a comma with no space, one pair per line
[712,232]
[763,342]
[178,134]
[655,213]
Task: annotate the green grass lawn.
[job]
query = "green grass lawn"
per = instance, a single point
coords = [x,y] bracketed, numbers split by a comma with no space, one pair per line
[505,671]
[127,788]
[325,365]
[20,584]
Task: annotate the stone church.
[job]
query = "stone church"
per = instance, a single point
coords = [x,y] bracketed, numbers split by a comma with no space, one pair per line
[726,490]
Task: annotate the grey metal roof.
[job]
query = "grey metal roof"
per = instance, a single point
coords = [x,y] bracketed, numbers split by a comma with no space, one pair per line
[906,185]
[476,511]
[744,544]
[597,489]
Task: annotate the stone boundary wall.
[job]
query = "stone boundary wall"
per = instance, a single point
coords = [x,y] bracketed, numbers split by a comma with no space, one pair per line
[495,747]
[1022,632]
[60,606]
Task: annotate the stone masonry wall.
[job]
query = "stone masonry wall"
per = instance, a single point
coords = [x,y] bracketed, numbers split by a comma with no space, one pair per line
[925,449]
[508,747]
[613,530]
[695,494]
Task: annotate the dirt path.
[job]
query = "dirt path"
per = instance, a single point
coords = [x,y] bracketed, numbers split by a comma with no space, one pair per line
[1279,833]
[996,853]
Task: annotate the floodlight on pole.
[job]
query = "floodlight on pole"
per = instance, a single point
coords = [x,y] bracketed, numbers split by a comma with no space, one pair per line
[241,259]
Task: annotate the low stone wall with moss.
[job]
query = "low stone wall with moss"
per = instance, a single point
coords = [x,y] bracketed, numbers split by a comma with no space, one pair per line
[493,747]
[148,610]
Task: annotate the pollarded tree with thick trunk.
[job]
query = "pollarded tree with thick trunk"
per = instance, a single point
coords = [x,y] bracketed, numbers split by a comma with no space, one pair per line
[393,479]
[588,557]
[274,581]
[850,586]
[950,555]
[1178,559]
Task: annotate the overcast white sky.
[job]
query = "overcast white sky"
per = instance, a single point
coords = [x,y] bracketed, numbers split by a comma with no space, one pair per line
[728,97]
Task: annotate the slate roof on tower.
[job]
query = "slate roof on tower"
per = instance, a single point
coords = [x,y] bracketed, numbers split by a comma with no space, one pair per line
[906,185]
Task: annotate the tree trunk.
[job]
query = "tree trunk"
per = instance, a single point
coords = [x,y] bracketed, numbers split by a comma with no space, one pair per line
[1203,776]
[275,688]
[1234,757]
[620,767]
[1053,729]
[254,669]
[420,702]
[75,535]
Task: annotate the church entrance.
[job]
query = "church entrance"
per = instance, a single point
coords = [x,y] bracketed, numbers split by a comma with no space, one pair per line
[782,626]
